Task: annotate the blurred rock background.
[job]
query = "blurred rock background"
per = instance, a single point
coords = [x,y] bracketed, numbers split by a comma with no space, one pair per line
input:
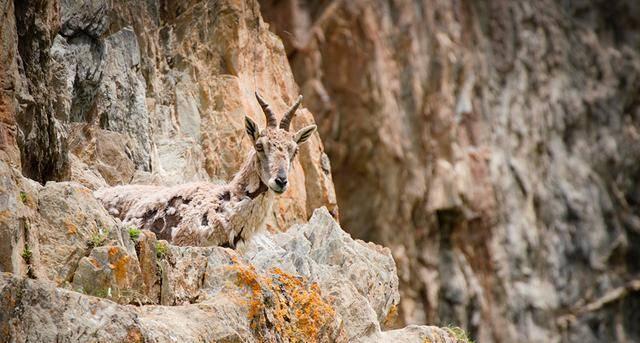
[491,145]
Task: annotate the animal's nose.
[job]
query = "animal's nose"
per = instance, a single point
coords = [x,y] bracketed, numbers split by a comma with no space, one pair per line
[281,181]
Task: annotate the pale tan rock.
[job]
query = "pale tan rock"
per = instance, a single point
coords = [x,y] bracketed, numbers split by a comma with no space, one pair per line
[68,221]
[182,272]
[106,153]
[110,272]
[487,144]
[147,251]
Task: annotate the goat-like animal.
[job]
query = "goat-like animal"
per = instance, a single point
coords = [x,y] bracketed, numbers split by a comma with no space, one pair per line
[204,213]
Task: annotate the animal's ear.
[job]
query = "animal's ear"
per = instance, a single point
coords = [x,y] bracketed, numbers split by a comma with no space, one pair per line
[251,127]
[304,134]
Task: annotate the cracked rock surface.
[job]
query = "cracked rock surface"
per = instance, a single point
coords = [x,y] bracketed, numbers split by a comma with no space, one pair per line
[108,283]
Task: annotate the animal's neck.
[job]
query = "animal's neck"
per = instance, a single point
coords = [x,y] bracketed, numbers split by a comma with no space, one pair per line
[247,182]
[252,200]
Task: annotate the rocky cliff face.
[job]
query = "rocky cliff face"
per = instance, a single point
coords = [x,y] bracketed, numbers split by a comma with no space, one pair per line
[106,93]
[493,145]
[99,93]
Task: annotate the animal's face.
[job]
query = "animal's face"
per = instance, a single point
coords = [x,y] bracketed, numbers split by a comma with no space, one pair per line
[276,147]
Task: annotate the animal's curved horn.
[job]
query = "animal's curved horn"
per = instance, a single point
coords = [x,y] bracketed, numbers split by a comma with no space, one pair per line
[271,117]
[286,120]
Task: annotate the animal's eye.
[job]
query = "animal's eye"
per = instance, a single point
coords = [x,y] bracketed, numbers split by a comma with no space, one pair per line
[259,147]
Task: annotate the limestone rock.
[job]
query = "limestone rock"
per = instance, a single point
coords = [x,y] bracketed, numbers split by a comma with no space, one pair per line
[147,252]
[307,284]
[61,315]
[360,277]
[88,17]
[120,98]
[183,273]
[69,220]
[18,197]
[491,145]
[107,155]
[110,272]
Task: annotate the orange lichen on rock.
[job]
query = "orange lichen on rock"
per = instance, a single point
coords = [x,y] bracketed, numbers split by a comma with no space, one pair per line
[285,306]
[5,214]
[134,335]
[311,311]
[94,262]
[247,276]
[113,251]
[119,268]
[71,228]
[391,317]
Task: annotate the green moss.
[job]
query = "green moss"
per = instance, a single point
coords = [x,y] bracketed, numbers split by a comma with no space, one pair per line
[161,250]
[23,197]
[459,334]
[103,293]
[98,239]
[26,254]
[134,233]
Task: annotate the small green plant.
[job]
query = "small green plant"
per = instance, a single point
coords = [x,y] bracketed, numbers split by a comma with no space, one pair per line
[134,233]
[26,254]
[161,250]
[103,293]
[23,197]
[98,238]
[459,334]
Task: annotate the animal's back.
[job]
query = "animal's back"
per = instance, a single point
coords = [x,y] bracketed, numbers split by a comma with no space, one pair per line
[160,209]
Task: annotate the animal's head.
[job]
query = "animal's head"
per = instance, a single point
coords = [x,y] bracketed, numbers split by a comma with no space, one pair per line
[275,146]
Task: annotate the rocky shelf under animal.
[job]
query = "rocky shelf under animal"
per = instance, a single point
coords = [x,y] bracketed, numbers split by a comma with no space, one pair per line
[79,275]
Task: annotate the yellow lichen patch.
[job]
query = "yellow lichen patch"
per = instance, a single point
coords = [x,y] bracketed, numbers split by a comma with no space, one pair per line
[120,269]
[71,228]
[310,311]
[284,306]
[113,251]
[391,317]
[247,276]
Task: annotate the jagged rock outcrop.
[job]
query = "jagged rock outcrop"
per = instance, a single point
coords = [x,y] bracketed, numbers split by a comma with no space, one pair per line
[312,283]
[493,146]
[107,93]
[99,93]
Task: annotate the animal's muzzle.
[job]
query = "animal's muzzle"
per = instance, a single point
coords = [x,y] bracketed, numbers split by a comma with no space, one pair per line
[281,181]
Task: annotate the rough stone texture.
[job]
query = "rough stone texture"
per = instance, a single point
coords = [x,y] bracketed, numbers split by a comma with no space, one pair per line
[68,221]
[114,92]
[10,82]
[16,202]
[120,98]
[183,273]
[323,253]
[493,146]
[60,315]
[110,272]
[311,284]
[100,157]
[40,134]
[149,266]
